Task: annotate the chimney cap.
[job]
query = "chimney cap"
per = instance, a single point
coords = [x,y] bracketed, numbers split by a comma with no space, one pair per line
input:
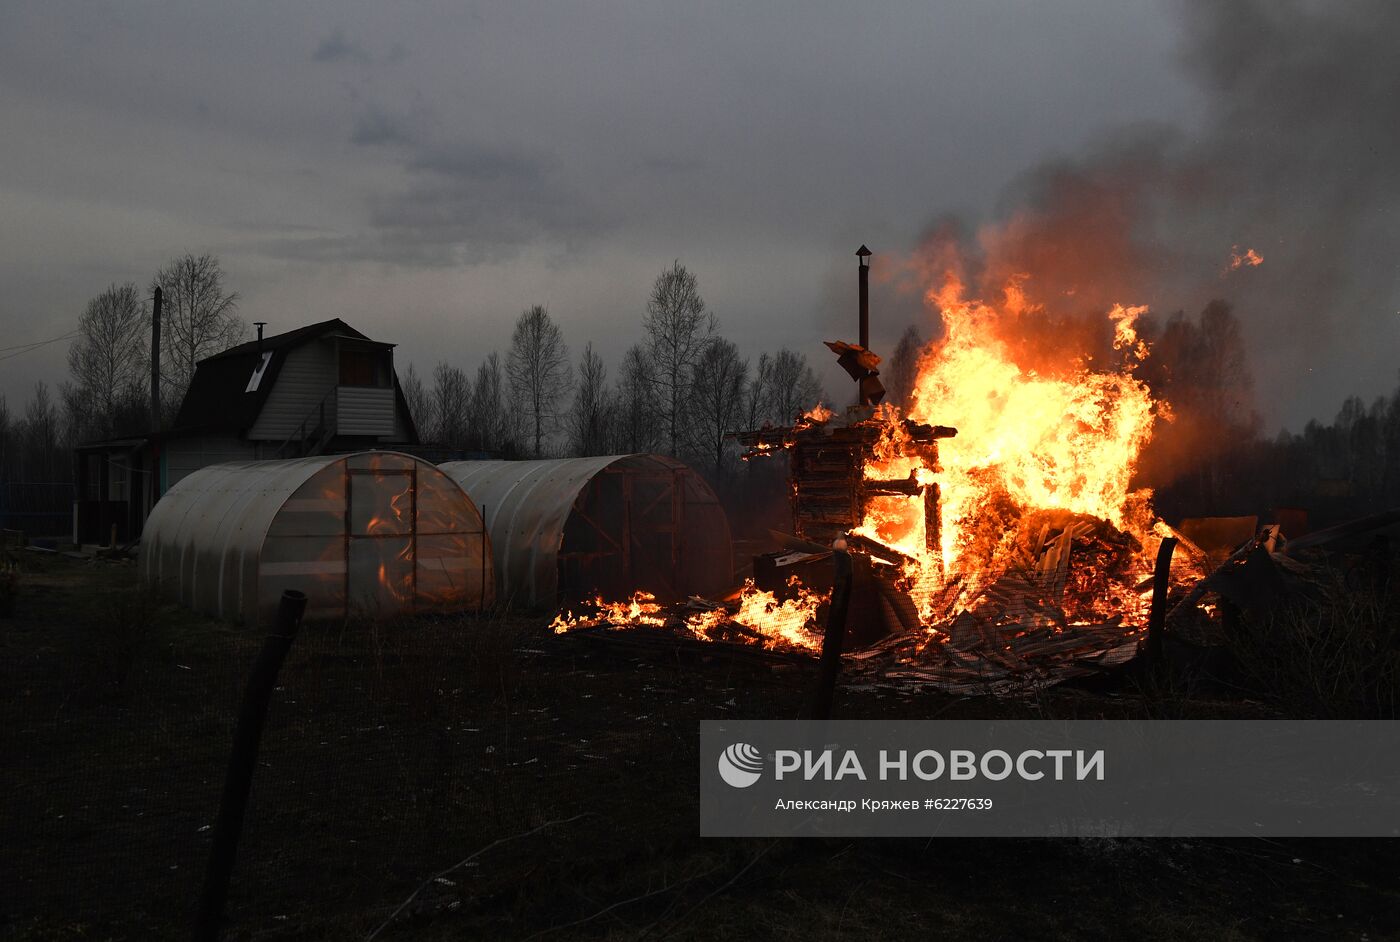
[863,252]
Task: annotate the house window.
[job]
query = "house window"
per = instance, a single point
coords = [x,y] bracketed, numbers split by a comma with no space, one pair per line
[119,477]
[363,368]
[258,371]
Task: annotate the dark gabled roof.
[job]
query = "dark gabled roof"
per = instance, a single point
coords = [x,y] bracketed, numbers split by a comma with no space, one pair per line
[216,400]
[292,338]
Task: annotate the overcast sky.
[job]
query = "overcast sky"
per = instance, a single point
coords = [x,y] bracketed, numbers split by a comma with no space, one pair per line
[426,170]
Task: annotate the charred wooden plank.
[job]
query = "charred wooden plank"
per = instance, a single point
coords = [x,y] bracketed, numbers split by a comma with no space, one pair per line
[876,548]
[908,487]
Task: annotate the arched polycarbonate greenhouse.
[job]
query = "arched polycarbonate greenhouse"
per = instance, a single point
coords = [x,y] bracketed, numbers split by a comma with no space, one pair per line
[570,529]
[375,533]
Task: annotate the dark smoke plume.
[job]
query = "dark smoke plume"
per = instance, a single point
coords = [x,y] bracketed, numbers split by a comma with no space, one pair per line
[1298,158]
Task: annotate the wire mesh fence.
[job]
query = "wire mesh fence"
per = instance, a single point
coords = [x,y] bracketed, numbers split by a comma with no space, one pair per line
[390,752]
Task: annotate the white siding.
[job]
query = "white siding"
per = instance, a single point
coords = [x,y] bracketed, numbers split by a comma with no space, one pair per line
[365,410]
[308,374]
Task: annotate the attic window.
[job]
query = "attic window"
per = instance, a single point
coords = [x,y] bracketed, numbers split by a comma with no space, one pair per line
[258,371]
[364,368]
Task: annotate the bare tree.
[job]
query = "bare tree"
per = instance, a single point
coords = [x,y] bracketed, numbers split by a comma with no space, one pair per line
[678,330]
[904,366]
[636,428]
[7,434]
[420,403]
[795,387]
[109,357]
[760,393]
[451,404]
[198,318]
[590,419]
[715,407]
[489,425]
[538,366]
[40,439]
[1201,367]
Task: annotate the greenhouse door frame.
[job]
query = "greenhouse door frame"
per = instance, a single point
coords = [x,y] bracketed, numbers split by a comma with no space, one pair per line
[672,485]
[351,536]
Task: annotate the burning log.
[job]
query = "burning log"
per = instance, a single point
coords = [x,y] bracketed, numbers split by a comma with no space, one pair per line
[880,550]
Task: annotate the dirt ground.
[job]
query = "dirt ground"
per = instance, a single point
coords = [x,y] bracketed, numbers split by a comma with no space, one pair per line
[564,773]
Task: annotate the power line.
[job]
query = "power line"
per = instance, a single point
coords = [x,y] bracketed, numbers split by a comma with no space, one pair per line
[27,347]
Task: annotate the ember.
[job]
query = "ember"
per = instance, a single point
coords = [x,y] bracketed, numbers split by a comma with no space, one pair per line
[1246,259]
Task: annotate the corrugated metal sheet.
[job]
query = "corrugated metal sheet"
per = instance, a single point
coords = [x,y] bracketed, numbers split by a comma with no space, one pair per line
[530,507]
[374,531]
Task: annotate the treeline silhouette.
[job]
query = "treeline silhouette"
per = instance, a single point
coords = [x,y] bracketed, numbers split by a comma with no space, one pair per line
[682,388]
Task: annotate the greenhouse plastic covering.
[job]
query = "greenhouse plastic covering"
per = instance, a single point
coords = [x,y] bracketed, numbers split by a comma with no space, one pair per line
[375,534]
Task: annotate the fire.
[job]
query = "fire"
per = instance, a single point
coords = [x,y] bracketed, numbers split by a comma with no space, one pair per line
[1026,520]
[819,414]
[1037,445]
[401,508]
[790,622]
[1246,259]
[761,618]
[641,609]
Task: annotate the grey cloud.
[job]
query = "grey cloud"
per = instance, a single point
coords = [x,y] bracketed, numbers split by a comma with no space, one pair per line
[480,202]
[760,151]
[462,205]
[337,48]
[377,127]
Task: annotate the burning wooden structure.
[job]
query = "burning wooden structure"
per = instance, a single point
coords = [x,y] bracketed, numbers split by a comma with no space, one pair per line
[830,490]
[1018,548]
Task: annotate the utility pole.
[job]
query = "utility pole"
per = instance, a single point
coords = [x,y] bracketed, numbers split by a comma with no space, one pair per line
[155,359]
[157,301]
[864,255]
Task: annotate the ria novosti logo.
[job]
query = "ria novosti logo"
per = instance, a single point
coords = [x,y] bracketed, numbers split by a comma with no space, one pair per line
[740,765]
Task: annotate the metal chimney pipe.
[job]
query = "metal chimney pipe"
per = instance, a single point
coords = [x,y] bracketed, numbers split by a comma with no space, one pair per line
[863,254]
[260,325]
[155,359]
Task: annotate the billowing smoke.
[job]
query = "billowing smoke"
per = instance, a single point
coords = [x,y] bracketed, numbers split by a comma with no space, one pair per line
[1297,159]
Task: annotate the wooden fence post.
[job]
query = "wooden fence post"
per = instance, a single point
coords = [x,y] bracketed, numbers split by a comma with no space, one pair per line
[242,759]
[1161,582]
[835,638]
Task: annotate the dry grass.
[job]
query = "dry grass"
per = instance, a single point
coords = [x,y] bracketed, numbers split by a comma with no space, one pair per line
[1333,656]
[393,751]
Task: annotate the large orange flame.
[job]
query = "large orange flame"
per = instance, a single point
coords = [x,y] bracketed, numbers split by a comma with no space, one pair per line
[1062,439]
